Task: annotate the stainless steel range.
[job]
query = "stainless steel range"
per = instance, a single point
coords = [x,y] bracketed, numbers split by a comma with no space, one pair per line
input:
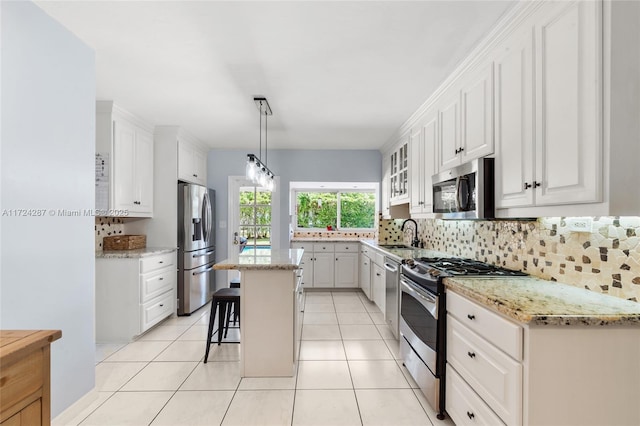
[423,318]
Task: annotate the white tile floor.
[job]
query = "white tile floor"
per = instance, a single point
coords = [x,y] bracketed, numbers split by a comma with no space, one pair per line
[348,374]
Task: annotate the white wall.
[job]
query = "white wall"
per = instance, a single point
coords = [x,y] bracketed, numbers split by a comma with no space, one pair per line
[48,140]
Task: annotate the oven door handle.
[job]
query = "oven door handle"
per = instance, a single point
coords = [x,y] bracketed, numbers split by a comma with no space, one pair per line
[429,301]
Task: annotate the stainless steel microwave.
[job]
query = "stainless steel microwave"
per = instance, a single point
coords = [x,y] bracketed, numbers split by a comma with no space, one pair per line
[465,192]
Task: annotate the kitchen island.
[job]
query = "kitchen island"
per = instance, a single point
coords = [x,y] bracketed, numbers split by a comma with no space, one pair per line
[270,322]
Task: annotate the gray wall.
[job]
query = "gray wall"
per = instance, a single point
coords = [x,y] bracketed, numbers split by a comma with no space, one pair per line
[288,165]
[48,148]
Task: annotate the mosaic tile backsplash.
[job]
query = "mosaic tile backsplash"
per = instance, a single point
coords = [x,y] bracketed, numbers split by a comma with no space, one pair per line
[108,226]
[334,234]
[606,260]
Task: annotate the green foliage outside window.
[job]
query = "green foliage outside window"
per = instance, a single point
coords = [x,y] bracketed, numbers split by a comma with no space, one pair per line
[342,210]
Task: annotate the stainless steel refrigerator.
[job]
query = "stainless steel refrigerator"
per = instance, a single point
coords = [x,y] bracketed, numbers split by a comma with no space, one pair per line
[196,246]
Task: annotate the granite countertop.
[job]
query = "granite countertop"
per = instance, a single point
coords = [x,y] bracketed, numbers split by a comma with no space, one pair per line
[539,302]
[262,260]
[405,253]
[132,254]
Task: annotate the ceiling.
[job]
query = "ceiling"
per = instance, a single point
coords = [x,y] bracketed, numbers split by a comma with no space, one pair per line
[337,74]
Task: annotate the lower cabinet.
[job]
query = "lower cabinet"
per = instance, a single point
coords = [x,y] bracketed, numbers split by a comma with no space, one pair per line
[329,264]
[365,273]
[500,372]
[133,295]
[378,288]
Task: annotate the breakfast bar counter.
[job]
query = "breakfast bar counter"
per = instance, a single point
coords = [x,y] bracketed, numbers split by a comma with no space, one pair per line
[270,307]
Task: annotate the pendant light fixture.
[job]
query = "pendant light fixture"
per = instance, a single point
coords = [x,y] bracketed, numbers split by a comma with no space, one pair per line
[256,171]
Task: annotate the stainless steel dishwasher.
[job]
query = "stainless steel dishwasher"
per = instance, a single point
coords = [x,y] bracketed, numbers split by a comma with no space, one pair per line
[392,294]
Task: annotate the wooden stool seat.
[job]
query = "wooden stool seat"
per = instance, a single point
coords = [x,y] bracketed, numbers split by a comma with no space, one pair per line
[222,301]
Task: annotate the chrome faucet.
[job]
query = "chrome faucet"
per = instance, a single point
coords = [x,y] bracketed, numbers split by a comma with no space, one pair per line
[415,242]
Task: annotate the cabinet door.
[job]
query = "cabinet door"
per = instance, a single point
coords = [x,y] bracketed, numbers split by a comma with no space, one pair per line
[428,155]
[568,98]
[378,287]
[416,196]
[449,132]
[365,275]
[185,161]
[124,147]
[307,269]
[323,269]
[477,115]
[200,166]
[144,172]
[385,187]
[346,270]
[514,121]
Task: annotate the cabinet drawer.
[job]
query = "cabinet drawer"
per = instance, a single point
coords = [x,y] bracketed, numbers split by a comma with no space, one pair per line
[501,332]
[364,249]
[464,406]
[153,263]
[323,247]
[21,380]
[495,377]
[156,310]
[378,258]
[346,247]
[307,247]
[154,284]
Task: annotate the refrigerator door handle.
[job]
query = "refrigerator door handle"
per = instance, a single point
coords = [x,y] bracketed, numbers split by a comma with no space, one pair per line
[203,254]
[202,272]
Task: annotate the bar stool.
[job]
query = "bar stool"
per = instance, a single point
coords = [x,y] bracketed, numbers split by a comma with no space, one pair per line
[234,283]
[222,301]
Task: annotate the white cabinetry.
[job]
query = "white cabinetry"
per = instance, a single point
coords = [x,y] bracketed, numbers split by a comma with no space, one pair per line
[365,271]
[503,372]
[329,264]
[346,267]
[399,172]
[423,148]
[126,143]
[385,187]
[378,289]
[466,119]
[133,294]
[192,162]
[562,165]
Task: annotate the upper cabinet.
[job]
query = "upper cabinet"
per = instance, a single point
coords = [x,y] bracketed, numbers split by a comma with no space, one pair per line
[192,162]
[466,119]
[558,160]
[125,144]
[424,137]
[399,171]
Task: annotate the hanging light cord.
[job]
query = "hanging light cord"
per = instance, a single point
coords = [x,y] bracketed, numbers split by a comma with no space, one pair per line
[266,152]
[260,131]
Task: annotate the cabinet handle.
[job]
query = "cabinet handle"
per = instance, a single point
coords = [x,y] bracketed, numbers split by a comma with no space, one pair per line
[461,149]
[457,151]
[161,305]
[161,279]
[536,184]
[527,185]
[378,273]
[471,317]
[471,354]
[470,415]
[162,261]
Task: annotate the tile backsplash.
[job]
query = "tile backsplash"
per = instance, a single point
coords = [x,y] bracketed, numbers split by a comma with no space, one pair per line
[106,227]
[607,260]
[334,234]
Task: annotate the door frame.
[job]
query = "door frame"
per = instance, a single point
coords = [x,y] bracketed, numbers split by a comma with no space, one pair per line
[233,188]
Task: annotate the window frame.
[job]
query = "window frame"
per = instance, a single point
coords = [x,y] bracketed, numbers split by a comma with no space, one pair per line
[337,188]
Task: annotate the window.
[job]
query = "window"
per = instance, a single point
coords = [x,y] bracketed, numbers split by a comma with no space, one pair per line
[255,216]
[318,209]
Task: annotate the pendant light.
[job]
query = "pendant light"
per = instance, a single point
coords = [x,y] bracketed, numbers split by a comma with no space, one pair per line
[255,170]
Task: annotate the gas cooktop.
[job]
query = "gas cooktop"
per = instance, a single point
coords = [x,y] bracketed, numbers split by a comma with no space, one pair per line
[456,266]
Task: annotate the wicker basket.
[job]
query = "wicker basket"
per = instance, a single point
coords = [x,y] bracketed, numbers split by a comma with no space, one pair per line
[124,242]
